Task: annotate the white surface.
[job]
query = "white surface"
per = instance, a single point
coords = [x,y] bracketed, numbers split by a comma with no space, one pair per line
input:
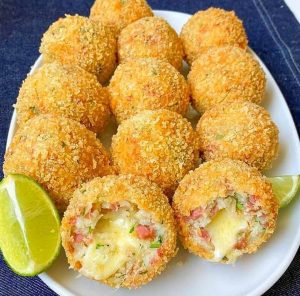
[189,275]
[294,6]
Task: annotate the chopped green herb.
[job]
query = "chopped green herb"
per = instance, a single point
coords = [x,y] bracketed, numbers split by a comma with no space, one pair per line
[239,205]
[219,137]
[132,228]
[63,144]
[143,272]
[91,229]
[98,246]
[160,239]
[33,109]
[155,245]
[154,72]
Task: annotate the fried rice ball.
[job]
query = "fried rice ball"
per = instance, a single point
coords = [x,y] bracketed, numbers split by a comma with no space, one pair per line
[119,13]
[213,27]
[224,209]
[158,85]
[240,130]
[67,91]
[150,37]
[160,145]
[225,74]
[119,230]
[58,153]
[77,40]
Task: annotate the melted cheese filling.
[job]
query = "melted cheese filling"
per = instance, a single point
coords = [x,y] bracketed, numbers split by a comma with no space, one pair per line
[224,230]
[111,247]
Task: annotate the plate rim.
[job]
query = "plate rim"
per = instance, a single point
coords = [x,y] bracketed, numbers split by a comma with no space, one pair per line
[280,269]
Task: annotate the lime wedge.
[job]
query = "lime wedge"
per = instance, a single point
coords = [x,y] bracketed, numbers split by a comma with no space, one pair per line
[29,226]
[285,188]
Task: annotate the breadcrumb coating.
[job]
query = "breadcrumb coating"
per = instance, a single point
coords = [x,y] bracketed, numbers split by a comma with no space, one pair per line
[137,190]
[223,75]
[158,85]
[119,13]
[215,179]
[150,37]
[210,28]
[240,130]
[160,145]
[77,40]
[58,153]
[67,91]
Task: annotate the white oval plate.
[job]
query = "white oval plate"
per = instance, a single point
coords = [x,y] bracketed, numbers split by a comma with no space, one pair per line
[187,274]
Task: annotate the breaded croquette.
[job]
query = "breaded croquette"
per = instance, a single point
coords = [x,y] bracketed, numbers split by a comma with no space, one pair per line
[119,230]
[240,130]
[150,37]
[58,153]
[67,91]
[160,145]
[77,40]
[224,209]
[213,27]
[147,84]
[223,75]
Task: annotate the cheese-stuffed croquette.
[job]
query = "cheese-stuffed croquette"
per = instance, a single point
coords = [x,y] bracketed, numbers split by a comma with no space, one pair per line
[147,84]
[213,27]
[119,230]
[160,145]
[150,37]
[77,40]
[224,209]
[119,13]
[67,91]
[58,153]
[239,130]
[223,75]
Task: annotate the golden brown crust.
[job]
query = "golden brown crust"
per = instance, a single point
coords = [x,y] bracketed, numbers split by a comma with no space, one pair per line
[59,154]
[210,181]
[137,190]
[160,145]
[224,75]
[64,90]
[150,37]
[77,40]
[147,84]
[119,13]
[210,28]
[239,130]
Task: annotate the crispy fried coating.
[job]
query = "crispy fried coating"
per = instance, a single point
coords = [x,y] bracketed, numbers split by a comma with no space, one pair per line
[210,28]
[119,13]
[215,179]
[77,40]
[137,190]
[150,37]
[147,84]
[58,153]
[67,91]
[223,75]
[240,130]
[160,145]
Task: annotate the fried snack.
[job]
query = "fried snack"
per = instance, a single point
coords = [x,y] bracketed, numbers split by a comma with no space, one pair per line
[160,145]
[67,91]
[119,230]
[224,75]
[147,84]
[119,13]
[239,130]
[58,153]
[150,37]
[224,209]
[212,28]
[77,40]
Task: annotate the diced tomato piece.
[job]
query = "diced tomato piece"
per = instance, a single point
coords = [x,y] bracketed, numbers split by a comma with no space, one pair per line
[145,232]
[72,221]
[78,237]
[203,233]
[241,244]
[253,199]
[195,214]
[160,252]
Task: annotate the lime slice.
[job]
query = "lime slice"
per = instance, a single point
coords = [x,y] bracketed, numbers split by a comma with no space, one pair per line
[285,188]
[29,226]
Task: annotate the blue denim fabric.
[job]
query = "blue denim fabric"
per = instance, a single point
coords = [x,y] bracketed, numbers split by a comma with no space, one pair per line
[274,35]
